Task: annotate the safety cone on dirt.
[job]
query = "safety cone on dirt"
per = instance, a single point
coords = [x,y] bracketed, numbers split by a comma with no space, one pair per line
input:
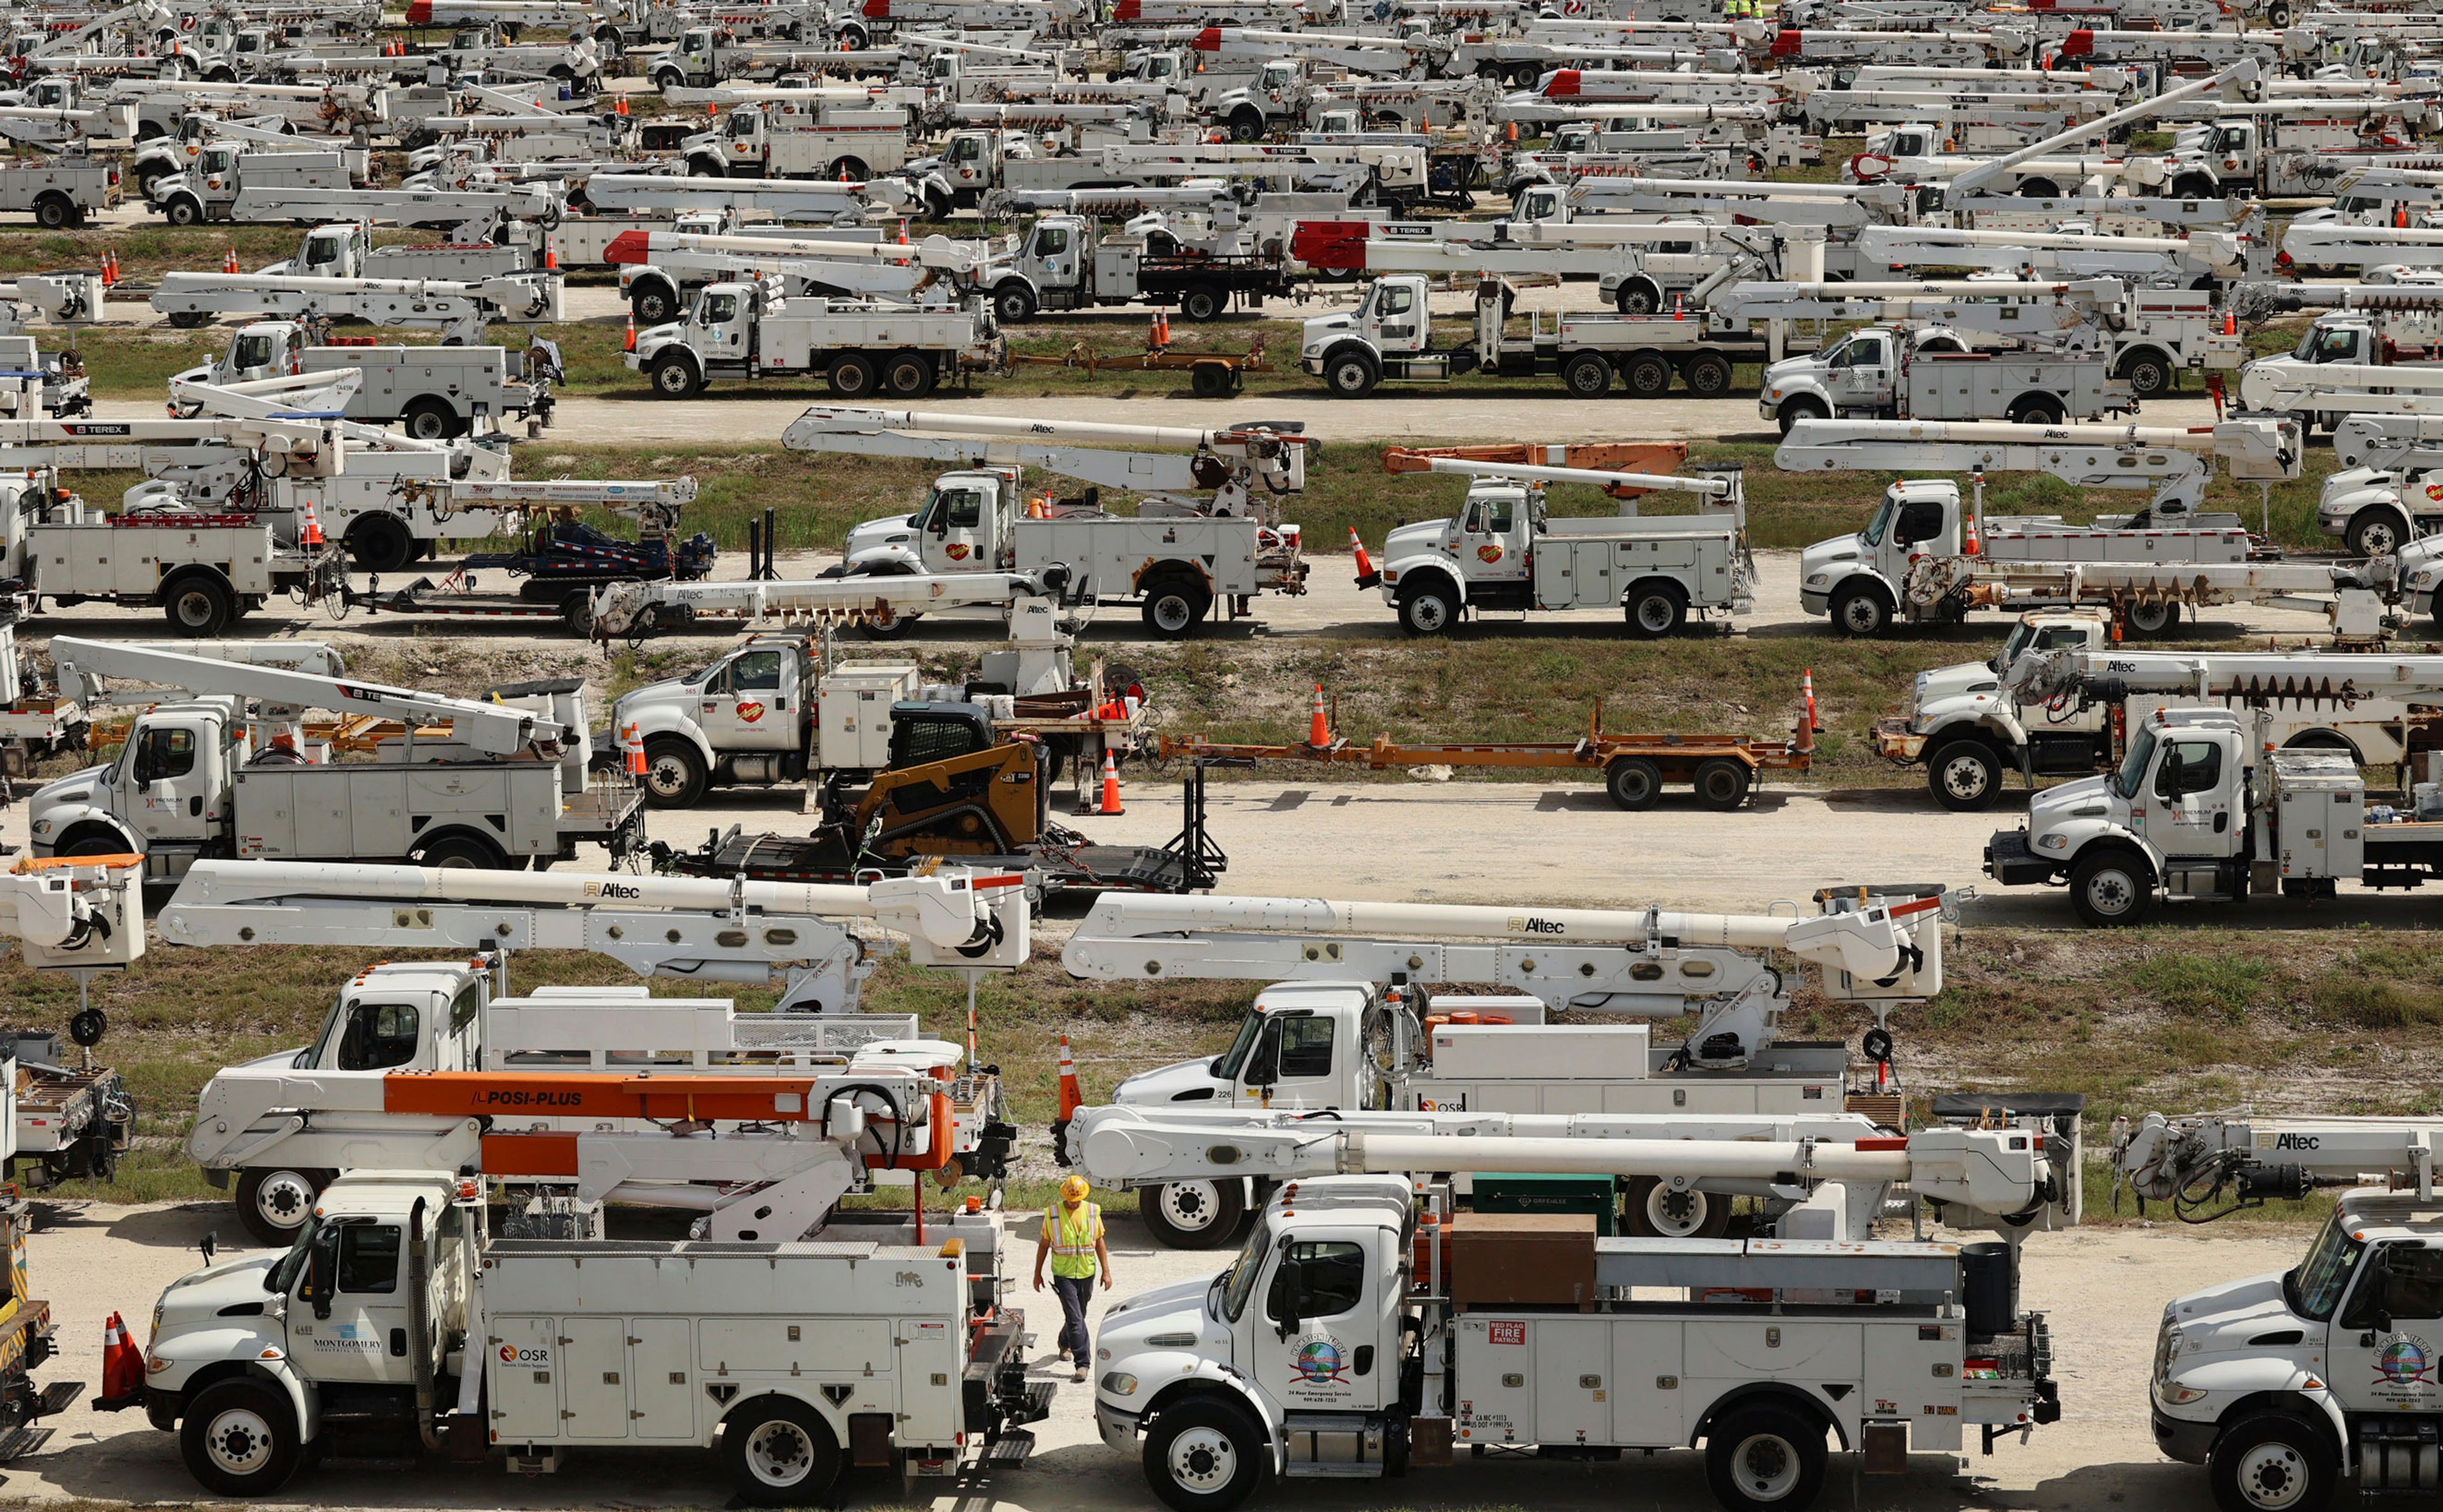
[312,536]
[1366,575]
[635,744]
[631,329]
[123,1368]
[1110,786]
[1071,1098]
[903,233]
[1318,724]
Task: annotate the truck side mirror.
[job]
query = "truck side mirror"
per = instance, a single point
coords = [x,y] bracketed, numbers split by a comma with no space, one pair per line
[1264,1066]
[320,1265]
[1289,1291]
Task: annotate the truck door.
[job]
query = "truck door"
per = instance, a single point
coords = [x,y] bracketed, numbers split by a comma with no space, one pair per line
[2384,1339]
[1493,539]
[744,136]
[172,778]
[1397,315]
[2234,151]
[349,1322]
[1291,1064]
[2188,799]
[1924,527]
[1053,256]
[720,324]
[1322,1343]
[952,528]
[745,707]
[1861,372]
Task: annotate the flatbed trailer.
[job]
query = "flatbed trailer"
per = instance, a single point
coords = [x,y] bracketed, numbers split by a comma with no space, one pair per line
[1722,769]
[1210,375]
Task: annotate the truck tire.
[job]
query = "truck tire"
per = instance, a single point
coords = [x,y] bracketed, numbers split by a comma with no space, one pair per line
[190,320]
[673,376]
[1634,783]
[1861,609]
[1653,1211]
[1430,607]
[2155,616]
[274,1201]
[239,1438]
[1637,297]
[1802,407]
[2195,186]
[1193,1215]
[1204,302]
[1707,374]
[462,853]
[379,543]
[1587,375]
[53,212]
[1721,784]
[852,376]
[1207,1454]
[1648,374]
[1655,606]
[2112,886]
[1246,124]
[430,418]
[1763,1456]
[2038,188]
[847,170]
[2375,531]
[2036,409]
[1964,776]
[653,303]
[674,773]
[1351,373]
[1174,607]
[908,375]
[2148,373]
[2272,1463]
[779,1453]
[1212,380]
[1012,303]
[182,211]
[666,80]
[197,604]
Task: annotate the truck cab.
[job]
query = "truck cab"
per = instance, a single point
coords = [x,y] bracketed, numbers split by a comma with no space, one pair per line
[166,795]
[1392,329]
[1967,728]
[1483,555]
[2283,1386]
[336,252]
[965,525]
[747,717]
[1277,92]
[1857,579]
[259,349]
[1862,373]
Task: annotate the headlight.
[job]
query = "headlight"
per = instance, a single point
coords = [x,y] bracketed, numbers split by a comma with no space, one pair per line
[2052,841]
[1776,393]
[1819,579]
[41,826]
[1119,1383]
[2171,1396]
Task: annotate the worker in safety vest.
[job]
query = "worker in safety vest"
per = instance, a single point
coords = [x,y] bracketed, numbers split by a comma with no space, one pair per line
[1072,1237]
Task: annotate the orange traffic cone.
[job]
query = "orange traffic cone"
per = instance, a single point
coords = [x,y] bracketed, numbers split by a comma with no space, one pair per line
[635,744]
[1366,575]
[903,233]
[1969,545]
[1110,786]
[1679,307]
[313,535]
[229,262]
[1318,724]
[631,329]
[122,1367]
[1071,1098]
[2231,322]
[551,259]
[1807,685]
[622,105]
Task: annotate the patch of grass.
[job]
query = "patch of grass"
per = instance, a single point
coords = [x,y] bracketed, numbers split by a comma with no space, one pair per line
[2220,985]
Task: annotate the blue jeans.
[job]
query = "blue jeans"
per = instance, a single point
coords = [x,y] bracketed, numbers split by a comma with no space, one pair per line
[1074,1293]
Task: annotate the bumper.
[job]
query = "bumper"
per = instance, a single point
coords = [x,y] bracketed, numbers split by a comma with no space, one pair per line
[163,1409]
[1116,1426]
[1896,741]
[2189,1443]
[1812,601]
[2011,861]
[1313,366]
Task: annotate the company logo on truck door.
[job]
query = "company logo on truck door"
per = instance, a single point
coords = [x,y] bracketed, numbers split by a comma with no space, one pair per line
[750,711]
[1320,1362]
[1534,925]
[2405,1362]
[523,1357]
[1488,554]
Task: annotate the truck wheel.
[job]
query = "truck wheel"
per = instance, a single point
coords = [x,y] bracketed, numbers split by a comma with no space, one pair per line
[1351,374]
[1246,126]
[431,419]
[1707,374]
[1648,374]
[1655,608]
[1430,608]
[1193,1215]
[2375,531]
[1721,784]
[1173,608]
[2112,887]
[2147,374]
[847,170]
[2036,410]
[1204,302]
[673,377]
[779,1453]
[908,375]
[190,320]
[240,1439]
[653,303]
[183,212]
[1637,298]
[1964,776]
[674,774]
[1653,1211]
[462,853]
[1861,609]
[1763,1457]
[1012,304]
[1634,782]
[198,605]
[2272,1464]
[1205,1455]
[379,543]
[274,1201]
[2154,617]
[1587,375]
[1212,380]
[2195,186]
[1793,410]
[852,376]
[53,212]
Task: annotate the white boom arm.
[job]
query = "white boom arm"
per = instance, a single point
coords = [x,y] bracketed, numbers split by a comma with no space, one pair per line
[297,447]
[75,912]
[938,253]
[636,609]
[463,308]
[2033,308]
[1610,482]
[699,929]
[2161,457]
[496,729]
[2340,679]
[2192,1161]
[1256,456]
[2239,77]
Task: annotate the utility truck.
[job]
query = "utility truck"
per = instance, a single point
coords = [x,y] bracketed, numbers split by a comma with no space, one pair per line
[1930,374]
[1505,549]
[433,392]
[1914,562]
[751,329]
[1065,263]
[208,190]
[209,777]
[783,141]
[1179,557]
[61,193]
[2343,366]
[2052,703]
[1346,1024]
[1362,1331]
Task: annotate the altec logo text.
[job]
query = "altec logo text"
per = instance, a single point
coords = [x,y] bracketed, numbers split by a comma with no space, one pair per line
[1530,924]
[613,890]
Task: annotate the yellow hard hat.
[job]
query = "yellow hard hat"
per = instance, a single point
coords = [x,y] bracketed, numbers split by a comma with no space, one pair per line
[1075,1190]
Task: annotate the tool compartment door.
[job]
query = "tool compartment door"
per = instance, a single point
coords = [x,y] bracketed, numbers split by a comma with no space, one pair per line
[662,1396]
[1497,1380]
[1572,574]
[594,1354]
[1647,1400]
[520,1365]
[1729,1352]
[1913,1374]
[1573,1373]
[929,1380]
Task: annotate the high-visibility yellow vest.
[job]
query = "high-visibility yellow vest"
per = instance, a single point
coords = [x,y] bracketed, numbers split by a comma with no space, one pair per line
[1073,1238]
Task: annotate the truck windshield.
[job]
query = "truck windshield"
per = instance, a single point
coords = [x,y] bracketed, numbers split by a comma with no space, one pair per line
[251,352]
[282,1278]
[1227,1067]
[1238,1284]
[1873,534]
[2315,1289]
[2133,767]
[2021,635]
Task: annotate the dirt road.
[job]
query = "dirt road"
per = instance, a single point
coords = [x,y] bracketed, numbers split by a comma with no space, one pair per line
[2103,1288]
